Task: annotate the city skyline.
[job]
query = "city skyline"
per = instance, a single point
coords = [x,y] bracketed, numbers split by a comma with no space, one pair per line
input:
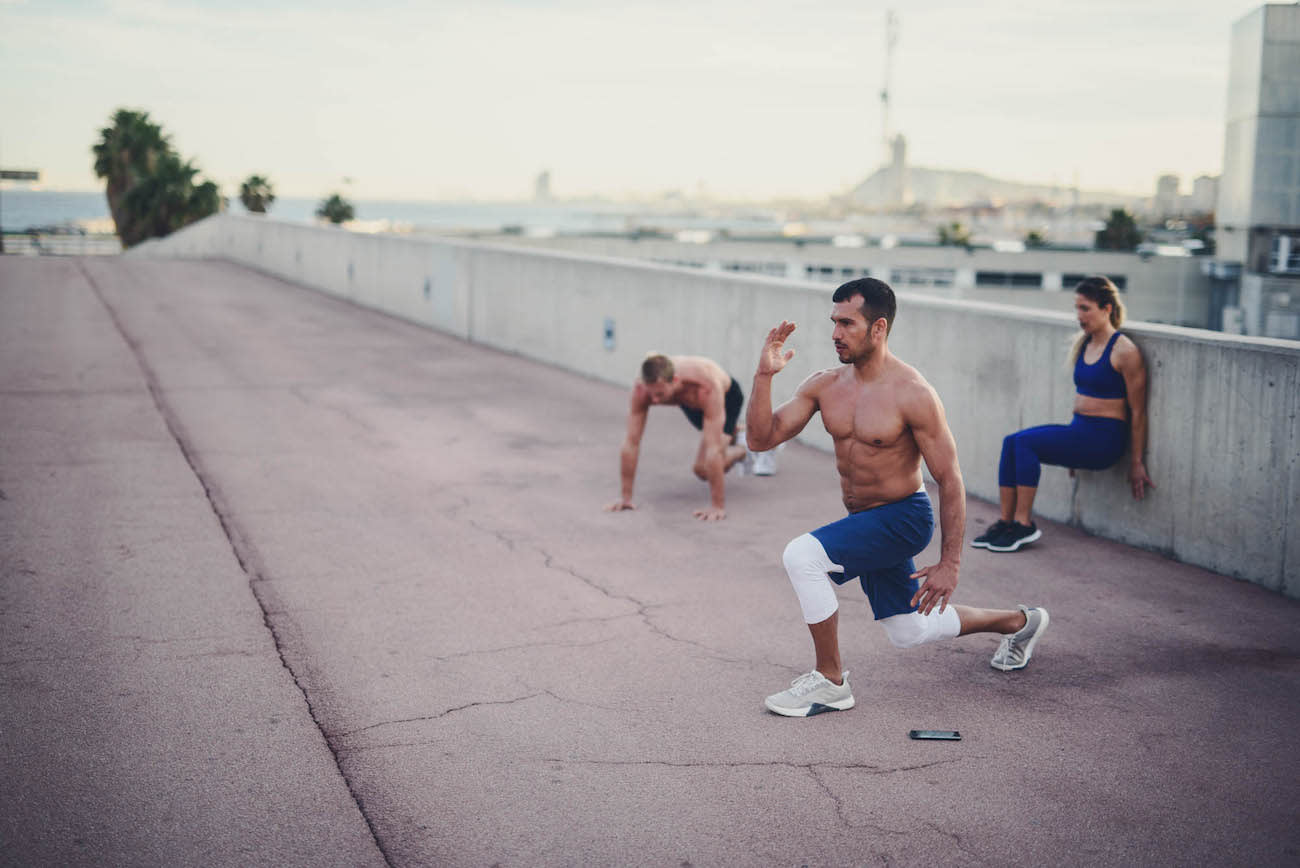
[754,101]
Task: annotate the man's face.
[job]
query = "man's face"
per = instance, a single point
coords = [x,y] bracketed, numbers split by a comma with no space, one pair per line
[852,335]
[661,391]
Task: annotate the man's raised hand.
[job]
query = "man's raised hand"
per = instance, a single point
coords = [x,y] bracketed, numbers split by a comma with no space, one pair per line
[771,359]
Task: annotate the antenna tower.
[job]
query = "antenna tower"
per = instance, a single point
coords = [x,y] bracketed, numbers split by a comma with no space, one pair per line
[891,39]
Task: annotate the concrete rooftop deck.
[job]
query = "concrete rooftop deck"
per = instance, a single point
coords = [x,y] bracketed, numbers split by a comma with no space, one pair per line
[288,582]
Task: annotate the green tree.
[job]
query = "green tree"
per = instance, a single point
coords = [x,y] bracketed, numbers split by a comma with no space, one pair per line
[127,151]
[1035,239]
[151,192]
[954,235]
[256,193]
[335,209]
[1120,233]
[168,199]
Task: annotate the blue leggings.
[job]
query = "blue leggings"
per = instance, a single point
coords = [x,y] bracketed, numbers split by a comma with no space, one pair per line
[1088,443]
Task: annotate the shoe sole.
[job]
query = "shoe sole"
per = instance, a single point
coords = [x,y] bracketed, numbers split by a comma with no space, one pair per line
[1029,649]
[1023,541]
[814,708]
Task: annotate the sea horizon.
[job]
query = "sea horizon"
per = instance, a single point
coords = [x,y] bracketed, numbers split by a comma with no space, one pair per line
[24,209]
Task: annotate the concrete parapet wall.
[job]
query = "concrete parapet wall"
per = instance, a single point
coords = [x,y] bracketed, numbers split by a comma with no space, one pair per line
[1173,290]
[1225,440]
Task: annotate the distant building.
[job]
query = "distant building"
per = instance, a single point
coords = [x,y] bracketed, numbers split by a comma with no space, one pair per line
[1258,210]
[542,187]
[1205,192]
[1166,203]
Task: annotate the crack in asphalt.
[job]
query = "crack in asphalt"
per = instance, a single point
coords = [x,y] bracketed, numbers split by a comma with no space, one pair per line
[857,767]
[957,842]
[643,609]
[521,646]
[240,548]
[549,562]
[643,612]
[508,541]
[563,700]
[300,392]
[20,661]
[813,769]
[438,716]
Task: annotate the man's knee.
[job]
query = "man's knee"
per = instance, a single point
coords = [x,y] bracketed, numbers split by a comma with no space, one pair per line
[913,628]
[804,554]
[808,565]
[701,470]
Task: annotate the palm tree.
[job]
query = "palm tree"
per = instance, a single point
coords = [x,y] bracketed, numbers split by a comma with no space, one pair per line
[256,193]
[127,151]
[151,191]
[166,200]
[335,209]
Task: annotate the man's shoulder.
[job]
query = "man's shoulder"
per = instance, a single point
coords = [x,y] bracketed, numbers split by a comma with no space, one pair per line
[905,375]
[913,389]
[818,380]
[695,363]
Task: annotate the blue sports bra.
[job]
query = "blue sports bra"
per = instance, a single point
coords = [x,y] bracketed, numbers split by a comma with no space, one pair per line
[1100,379]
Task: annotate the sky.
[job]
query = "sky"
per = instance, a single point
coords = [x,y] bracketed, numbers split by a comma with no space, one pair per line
[752,99]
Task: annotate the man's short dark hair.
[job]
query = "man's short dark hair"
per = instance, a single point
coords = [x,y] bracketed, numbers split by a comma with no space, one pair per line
[877,299]
[657,368]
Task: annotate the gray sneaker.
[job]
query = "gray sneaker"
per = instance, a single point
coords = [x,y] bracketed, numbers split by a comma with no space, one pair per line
[1017,648]
[809,694]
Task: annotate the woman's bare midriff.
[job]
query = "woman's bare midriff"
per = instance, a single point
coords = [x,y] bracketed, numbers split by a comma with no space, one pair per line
[1108,408]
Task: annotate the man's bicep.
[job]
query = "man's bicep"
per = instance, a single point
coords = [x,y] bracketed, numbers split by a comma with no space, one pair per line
[933,436]
[791,417]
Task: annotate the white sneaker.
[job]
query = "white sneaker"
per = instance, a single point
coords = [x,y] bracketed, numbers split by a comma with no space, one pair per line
[763,463]
[745,466]
[1017,648]
[809,694]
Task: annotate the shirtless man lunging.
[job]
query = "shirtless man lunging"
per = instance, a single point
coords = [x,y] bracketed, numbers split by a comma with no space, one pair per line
[884,418]
[711,400]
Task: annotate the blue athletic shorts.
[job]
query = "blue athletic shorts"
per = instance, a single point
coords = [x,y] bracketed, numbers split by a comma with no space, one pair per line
[876,546]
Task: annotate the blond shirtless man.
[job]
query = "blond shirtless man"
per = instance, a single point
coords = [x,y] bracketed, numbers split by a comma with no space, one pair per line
[884,418]
[711,400]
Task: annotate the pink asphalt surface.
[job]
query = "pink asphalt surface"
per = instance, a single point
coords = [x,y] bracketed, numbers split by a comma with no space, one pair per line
[285,581]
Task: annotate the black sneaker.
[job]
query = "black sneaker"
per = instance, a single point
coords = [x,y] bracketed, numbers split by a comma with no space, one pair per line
[1014,537]
[982,541]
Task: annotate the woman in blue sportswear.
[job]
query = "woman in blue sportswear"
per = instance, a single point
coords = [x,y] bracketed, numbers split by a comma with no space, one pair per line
[1110,415]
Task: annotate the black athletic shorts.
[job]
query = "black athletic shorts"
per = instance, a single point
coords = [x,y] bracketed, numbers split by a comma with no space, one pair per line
[734,400]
